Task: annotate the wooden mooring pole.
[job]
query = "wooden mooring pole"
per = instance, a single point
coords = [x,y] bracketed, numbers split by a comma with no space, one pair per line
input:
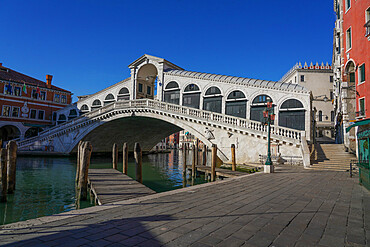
[194,161]
[213,163]
[233,159]
[3,175]
[78,160]
[125,158]
[86,149]
[12,165]
[115,156]
[204,155]
[138,162]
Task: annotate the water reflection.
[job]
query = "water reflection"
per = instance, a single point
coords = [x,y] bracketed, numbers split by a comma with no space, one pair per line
[46,185]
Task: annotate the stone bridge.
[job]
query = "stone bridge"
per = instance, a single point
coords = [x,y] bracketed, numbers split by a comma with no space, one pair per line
[161,98]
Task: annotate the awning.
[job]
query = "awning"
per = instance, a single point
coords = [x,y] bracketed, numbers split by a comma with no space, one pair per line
[358,123]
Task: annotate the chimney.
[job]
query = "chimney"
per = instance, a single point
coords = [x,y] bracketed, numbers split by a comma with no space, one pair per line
[1,64]
[48,80]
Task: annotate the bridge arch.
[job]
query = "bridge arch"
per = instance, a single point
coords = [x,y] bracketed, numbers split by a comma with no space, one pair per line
[292,114]
[146,81]
[212,99]
[84,108]
[172,93]
[9,132]
[236,104]
[123,94]
[258,105]
[96,104]
[109,99]
[191,95]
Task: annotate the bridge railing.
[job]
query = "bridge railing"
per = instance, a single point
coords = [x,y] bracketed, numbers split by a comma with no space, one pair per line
[167,107]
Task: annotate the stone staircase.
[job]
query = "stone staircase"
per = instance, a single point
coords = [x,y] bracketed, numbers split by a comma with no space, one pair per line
[332,157]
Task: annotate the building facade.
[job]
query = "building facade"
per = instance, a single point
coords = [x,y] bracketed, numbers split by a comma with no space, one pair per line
[351,51]
[319,80]
[27,104]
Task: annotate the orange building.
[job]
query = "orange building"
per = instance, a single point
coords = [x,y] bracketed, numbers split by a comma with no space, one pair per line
[27,104]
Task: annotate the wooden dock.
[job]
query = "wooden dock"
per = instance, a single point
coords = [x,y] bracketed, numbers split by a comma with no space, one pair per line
[220,172]
[109,185]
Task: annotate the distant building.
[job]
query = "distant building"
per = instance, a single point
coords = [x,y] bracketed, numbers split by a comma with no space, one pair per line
[319,80]
[351,51]
[27,104]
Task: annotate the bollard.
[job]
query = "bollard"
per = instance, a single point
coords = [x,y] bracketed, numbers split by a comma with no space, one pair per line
[204,155]
[11,165]
[213,163]
[86,148]
[3,175]
[138,162]
[125,158]
[233,160]
[115,156]
[193,163]
[78,160]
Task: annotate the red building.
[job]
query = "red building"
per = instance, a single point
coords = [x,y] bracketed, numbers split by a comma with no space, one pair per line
[27,104]
[356,53]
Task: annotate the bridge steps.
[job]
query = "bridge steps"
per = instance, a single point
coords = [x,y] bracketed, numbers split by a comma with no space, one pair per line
[109,185]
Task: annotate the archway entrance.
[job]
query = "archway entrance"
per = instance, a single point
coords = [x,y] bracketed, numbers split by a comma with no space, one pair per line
[146,82]
[9,132]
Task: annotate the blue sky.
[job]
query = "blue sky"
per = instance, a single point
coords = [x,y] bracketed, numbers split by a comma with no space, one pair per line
[87,45]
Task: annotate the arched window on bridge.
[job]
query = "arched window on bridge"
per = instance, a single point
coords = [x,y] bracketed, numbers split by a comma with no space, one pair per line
[172,93]
[212,100]
[33,131]
[109,99]
[72,114]
[123,94]
[62,118]
[84,109]
[236,104]
[191,96]
[292,114]
[258,105]
[96,104]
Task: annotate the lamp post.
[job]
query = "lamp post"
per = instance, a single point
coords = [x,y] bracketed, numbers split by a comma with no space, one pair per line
[269,117]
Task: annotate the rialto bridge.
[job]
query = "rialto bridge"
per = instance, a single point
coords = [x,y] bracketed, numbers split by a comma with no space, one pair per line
[161,98]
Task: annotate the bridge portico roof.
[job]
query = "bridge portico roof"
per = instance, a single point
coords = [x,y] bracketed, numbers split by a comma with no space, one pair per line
[239,80]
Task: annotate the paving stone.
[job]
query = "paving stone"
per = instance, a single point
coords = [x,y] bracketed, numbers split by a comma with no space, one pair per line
[100,242]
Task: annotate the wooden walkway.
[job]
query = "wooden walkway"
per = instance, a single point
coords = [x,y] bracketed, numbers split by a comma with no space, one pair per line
[220,172]
[109,185]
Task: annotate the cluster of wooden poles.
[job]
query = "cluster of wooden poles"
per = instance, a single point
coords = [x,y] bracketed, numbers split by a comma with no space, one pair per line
[195,158]
[8,164]
[83,162]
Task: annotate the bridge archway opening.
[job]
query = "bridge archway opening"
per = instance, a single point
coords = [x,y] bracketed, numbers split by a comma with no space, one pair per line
[292,114]
[123,94]
[109,99]
[62,118]
[258,105]
[191,96]
[9,132]
[146,82]
[236,104]
[212,100]
[33,131]
[96,104]
[84,109]
[172,93]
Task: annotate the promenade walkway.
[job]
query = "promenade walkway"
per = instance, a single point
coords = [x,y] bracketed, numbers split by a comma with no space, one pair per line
[292,207]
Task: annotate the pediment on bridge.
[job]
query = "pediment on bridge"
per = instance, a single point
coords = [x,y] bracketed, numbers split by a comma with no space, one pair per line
[152,59]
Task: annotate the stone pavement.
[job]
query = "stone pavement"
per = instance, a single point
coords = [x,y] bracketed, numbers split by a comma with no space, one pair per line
[292,207]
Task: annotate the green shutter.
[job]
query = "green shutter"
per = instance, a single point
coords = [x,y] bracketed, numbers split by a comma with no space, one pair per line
[362,73]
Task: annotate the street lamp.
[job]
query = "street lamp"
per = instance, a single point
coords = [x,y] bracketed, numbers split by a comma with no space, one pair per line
[269,117]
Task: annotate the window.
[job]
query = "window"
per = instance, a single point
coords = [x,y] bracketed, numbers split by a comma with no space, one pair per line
[148,90]
[41,114]
[292,114]
[302,77]
[33,114]
[367,22]
[332,116]
[123,94]
[320,116]
[140,88]
[84,109]
[348,4]
[8,89]
[361,73]
[236,104]
[295,79]
[15,112]
[348,39]
[17,91]
[331,78]
[361,107]
[191,96]
[331,95]
[96,104]
[63,99]
[108,99]
[34,94]
[43,95]
[56,98]
[6,111]
[258,105]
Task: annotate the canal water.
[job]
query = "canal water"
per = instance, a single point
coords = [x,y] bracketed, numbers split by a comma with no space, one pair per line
[46,185]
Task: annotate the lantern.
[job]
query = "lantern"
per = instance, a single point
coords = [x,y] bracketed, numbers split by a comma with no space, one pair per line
[272,116]
[269,104]
[265,114]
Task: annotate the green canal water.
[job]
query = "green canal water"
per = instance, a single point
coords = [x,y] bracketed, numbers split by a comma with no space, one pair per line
[46,185]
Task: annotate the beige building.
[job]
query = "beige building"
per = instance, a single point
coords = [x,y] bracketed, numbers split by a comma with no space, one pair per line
[319,80]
